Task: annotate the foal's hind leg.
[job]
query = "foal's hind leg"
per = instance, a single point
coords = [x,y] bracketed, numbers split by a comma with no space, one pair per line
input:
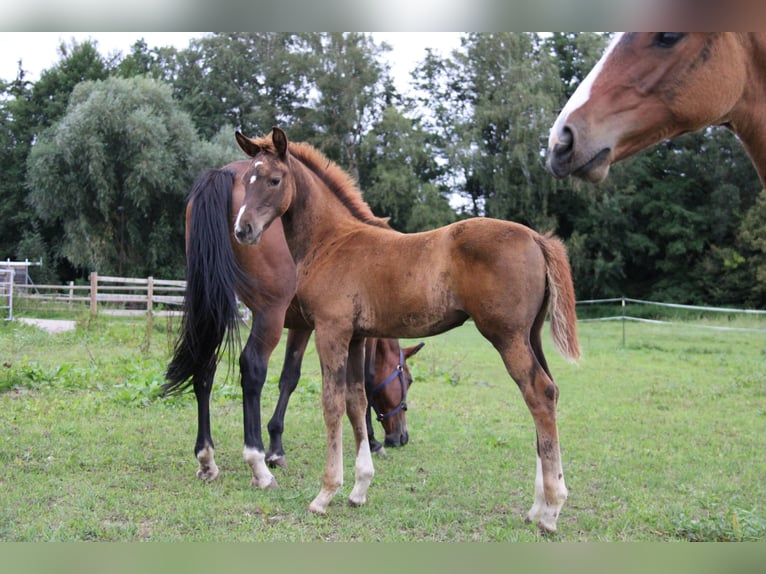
[356,406]
[541,395]
[297,340]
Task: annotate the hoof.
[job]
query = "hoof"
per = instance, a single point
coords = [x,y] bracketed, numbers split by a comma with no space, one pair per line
[356,503]
[317,509]
[275,461]
[270,485]
[543,527]
[381,451]
[208,473]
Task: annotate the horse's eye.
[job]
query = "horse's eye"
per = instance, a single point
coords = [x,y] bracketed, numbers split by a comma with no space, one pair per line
[667,39]
[274,181]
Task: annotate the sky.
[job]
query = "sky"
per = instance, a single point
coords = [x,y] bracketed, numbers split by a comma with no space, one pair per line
[39,50]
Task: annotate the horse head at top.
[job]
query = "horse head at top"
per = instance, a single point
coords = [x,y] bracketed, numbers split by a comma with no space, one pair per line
[646,88]
[269,187]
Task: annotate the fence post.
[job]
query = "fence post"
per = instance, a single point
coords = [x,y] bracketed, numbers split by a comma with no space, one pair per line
[623,303]
[93,294]
[149,294]
[71,293]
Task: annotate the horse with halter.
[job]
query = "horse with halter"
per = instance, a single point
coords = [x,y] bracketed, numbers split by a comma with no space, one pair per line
[220,270]
[651,86]
[503,275]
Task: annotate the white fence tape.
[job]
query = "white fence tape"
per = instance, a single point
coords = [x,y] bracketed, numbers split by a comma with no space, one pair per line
[625,300]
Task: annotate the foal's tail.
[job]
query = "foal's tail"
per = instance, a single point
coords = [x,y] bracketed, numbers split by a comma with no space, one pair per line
[213,278]
[562,297]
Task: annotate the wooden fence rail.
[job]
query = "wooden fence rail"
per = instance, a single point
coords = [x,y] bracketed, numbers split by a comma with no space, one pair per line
[137,294]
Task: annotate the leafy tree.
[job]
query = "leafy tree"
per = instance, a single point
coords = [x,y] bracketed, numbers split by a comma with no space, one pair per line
[114,172]
[575,54]
[26,110]
[752,235]
[352,88]
[250,80]
[397,172]
[496,98]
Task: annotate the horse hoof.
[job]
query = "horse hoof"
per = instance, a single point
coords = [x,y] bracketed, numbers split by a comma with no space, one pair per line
[381,451]
[317,509]
[271,485]
[356,503]
[277,461]
[207,473]
[542,527]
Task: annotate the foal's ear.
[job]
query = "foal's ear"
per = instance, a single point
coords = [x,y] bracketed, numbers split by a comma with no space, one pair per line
[279,139]
[248,146]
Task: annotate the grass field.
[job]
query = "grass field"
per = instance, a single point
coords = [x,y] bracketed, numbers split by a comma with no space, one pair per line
[662,439]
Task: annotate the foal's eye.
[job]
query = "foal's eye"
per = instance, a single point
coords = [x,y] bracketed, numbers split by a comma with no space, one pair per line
[667,39]
[274,181]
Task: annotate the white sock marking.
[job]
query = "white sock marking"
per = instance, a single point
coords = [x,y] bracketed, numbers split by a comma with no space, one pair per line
[256,459]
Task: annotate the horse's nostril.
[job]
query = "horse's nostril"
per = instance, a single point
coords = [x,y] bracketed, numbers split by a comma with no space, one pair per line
[243,231]
[564,145]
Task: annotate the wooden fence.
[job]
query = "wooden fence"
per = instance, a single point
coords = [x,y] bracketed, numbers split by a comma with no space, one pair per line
[132,295]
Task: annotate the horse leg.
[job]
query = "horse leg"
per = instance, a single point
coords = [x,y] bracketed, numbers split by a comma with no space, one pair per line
[203,447]
[540,395]
[369,384]
[333,355]
[356,407]
[376,447]
[253,363]
[297,340]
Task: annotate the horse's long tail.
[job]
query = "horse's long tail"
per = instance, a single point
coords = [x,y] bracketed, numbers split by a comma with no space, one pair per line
[213,278]
[562,297]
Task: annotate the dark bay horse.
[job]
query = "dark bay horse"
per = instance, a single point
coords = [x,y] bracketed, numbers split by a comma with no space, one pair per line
[219,270]
[502,274]
[652,86]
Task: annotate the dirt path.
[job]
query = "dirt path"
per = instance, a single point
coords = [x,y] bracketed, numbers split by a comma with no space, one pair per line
[50,325]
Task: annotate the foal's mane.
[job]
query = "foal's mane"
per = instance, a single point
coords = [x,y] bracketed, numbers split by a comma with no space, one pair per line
[334,177]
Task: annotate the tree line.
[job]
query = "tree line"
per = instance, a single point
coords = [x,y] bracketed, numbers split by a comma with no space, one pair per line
[99,153]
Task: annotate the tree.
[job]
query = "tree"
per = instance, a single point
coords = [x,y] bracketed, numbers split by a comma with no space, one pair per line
[575,54]
[494,104]
[26,110]
[114,172]
[397,170]
[251,80]
[352,86]
[752,235]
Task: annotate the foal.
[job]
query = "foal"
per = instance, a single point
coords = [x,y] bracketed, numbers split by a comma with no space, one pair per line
[502,274]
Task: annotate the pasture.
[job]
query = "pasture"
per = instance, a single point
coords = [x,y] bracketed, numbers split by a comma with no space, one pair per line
[662,440]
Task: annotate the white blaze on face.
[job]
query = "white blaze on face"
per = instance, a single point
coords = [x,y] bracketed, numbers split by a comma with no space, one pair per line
[242,209]
[581,94]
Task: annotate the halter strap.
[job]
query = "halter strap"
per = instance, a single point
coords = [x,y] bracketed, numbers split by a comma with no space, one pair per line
[372,392]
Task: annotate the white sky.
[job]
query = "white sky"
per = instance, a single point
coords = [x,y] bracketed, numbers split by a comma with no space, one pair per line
[39,50]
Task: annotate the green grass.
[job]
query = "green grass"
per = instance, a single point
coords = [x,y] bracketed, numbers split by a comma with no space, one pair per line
[661,440]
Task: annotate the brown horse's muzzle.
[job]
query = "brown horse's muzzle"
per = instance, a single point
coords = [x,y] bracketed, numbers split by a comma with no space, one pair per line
[397,435]
[246,233]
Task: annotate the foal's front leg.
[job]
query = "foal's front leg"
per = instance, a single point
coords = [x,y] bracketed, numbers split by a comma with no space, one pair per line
[333,356]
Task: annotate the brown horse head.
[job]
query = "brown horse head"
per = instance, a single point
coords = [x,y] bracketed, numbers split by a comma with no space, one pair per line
[269,187]
[646,88]
[386,361]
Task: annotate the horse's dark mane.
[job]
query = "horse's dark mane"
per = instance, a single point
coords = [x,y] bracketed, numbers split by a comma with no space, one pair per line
[336,178]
